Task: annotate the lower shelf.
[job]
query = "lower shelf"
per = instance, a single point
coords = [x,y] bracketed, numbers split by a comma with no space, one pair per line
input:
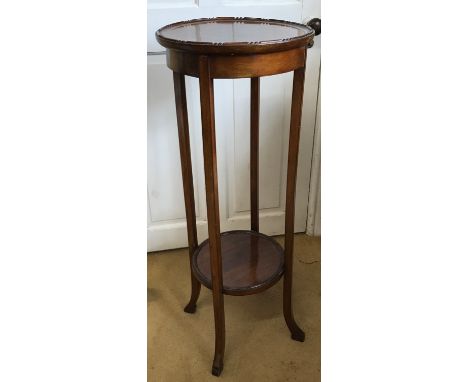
[252,262]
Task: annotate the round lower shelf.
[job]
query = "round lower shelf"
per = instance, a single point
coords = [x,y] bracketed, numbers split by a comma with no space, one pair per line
[252,262]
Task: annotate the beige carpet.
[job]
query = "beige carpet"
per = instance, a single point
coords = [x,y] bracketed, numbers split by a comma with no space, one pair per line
[258,343]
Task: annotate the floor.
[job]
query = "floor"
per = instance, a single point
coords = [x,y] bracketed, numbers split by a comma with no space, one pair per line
[258,343]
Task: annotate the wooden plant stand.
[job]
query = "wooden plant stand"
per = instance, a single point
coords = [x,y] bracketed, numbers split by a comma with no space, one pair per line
[236,262]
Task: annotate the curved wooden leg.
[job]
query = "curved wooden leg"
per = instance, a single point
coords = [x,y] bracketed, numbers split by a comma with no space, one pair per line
[296,113]
[191,307]
[212,203]
[186,165]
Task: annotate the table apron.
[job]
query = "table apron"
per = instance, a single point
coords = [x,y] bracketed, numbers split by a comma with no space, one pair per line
[238,66]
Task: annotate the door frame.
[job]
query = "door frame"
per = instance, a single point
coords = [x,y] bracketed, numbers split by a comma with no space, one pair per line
[314,215]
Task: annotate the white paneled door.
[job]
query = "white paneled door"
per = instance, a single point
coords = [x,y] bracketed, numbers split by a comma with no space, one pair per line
[166,214]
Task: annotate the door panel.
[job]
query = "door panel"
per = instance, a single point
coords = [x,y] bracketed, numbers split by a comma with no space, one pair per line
[273,119]
[164,201]
[166,214]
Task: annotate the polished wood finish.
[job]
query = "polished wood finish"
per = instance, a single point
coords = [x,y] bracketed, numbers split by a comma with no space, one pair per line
[186,165]
[211,184]
[252,262]
[241,66]
[234,35]
[294,133]
[236,262]
[254,137]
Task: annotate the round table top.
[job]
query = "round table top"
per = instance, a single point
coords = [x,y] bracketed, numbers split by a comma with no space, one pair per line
[231,35]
